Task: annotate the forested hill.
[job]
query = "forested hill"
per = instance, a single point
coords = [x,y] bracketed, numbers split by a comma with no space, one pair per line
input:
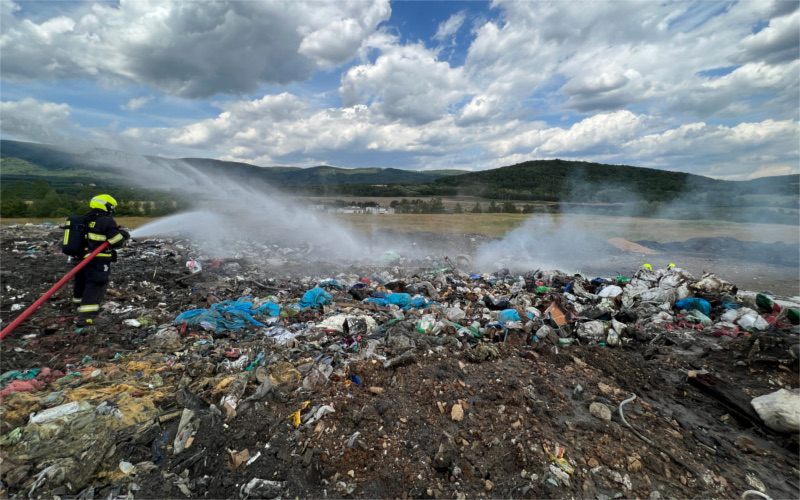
[64,167]
[543,180]
[560,180]
[321,175]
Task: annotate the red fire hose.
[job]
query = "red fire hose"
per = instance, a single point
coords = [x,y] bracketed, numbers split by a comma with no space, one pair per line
[22,317]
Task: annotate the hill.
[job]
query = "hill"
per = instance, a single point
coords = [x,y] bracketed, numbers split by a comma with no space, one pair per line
[610,189]
[559,180]
[42,160]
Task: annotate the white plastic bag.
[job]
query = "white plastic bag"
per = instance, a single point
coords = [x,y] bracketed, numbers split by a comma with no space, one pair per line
[455,314]
[780,410]
[610,291]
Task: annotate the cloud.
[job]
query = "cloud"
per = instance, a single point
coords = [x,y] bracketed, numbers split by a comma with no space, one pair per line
[282,129]
[615,55]
[777,43]
[603,131]
[718,150]
[136,103]
[406,83]
[707,88]
[188,49]
[337,42]
[32,120]
[730,95]
[449,28]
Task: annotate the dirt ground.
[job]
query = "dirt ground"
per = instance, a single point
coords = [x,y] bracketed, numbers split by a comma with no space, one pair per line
[446,420]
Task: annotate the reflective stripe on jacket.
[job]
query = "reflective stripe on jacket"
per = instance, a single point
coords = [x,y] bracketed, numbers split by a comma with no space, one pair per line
[100,227]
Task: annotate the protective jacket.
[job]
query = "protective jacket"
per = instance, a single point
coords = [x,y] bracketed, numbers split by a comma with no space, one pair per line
[90,282]
[100,227]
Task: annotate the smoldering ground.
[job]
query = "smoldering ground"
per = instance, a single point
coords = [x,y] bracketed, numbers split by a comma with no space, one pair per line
[574,242]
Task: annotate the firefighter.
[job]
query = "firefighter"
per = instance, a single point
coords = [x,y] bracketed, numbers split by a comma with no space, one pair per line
[91,281]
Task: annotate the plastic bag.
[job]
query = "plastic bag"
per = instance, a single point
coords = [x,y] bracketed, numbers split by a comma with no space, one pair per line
[399,299]
[592,331]
[780,410]
[610,291]
[419,302]
[694,304]
[510,315]
[455,314]
[230,314]
[425,323]
[316,297]
[749,321]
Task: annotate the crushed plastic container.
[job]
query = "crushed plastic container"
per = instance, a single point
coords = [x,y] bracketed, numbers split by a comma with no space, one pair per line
[194,266]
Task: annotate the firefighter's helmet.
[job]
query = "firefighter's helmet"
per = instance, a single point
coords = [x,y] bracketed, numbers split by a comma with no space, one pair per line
[104,202]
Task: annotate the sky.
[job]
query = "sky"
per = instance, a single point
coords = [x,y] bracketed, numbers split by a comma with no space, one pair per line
[710,87]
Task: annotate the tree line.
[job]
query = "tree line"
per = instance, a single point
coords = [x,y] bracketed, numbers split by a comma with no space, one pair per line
[436,206]
[39,199]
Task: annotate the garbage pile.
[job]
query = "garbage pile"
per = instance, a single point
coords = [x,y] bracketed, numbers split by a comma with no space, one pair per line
[407,377]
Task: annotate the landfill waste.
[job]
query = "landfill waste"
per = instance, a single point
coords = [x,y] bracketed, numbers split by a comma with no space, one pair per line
[270,375]
[780,410]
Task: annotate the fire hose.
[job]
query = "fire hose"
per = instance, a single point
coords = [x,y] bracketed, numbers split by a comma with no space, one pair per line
[22,317]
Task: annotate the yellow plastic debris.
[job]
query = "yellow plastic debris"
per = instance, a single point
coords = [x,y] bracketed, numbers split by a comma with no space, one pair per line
[559,459]
[223,385]
[295,417]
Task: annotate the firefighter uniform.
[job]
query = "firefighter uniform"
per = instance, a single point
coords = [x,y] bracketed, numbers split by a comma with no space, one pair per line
[91,281]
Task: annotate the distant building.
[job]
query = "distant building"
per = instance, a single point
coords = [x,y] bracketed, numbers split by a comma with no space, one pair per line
[317,208]
[356,210]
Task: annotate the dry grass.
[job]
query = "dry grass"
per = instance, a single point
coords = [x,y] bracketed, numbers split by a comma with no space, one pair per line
[633,229]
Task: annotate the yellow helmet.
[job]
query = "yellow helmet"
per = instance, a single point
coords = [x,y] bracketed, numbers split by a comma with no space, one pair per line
[104,202]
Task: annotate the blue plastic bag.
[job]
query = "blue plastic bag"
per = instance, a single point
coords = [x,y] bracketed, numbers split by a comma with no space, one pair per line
[230,314]
[419,302]
[331,282]
[694,304]
[728,303]
[316,297]
[377,301]
[399,299]
[508,315]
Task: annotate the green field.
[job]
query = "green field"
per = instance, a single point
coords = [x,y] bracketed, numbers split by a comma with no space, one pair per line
[630,228]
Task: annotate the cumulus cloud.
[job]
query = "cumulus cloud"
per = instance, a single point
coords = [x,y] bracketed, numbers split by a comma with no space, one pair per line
[614,55]
[405,83]
[719,150]
[703,87]
[188,49]
[603,131]
[352,25]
